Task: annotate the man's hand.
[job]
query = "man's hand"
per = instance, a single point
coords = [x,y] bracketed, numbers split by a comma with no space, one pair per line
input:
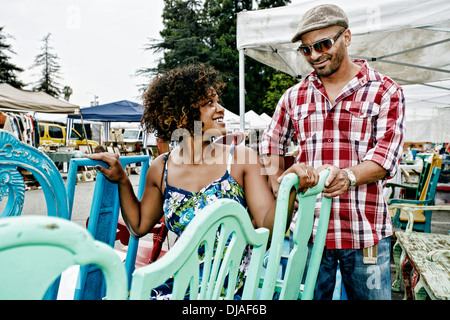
[337,182]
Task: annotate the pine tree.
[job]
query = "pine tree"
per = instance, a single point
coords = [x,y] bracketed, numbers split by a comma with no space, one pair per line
[220,21]
[183,36]
[205,32]
[8,71]
[50,69]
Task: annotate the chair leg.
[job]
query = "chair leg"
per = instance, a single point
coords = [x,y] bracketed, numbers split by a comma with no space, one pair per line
[397,254]
[419,291]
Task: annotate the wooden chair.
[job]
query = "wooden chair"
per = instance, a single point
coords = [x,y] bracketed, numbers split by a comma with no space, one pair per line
[16,155]
[422,219]
[35,250]
[415,189]
[103,221]
[290,286]
[224,221]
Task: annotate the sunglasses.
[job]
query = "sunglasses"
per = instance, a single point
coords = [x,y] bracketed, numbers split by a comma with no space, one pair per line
[320,46]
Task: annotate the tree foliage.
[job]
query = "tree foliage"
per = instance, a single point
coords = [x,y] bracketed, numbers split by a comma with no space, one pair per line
[278,84]
[8,70]
[205,32]
[50,69]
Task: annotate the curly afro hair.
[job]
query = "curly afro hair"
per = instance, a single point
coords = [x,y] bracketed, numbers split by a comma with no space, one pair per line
[173,99]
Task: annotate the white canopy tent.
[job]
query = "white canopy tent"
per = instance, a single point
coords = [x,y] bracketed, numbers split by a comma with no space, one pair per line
[427,112]
[408,41]
[255,120]
[266,117]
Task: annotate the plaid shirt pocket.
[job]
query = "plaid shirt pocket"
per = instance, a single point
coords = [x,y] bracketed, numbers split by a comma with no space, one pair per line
[307,119]
[361,117]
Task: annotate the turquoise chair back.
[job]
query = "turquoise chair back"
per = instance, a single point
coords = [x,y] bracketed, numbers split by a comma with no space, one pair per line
[35,250]
[291,287]
[15,154]
[425,198]
[223,229]
[103,219]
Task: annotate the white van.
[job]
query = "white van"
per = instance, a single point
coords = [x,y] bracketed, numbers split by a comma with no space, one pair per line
[132,135]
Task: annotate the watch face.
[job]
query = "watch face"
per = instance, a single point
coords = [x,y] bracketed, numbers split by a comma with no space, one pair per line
[351,177]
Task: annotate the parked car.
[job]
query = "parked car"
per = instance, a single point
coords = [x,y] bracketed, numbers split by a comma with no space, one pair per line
[55,133]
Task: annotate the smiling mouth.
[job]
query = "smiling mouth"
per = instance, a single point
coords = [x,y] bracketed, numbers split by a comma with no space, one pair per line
[220,120]
[320,64]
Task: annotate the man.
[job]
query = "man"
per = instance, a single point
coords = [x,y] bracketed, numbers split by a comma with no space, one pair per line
[347,118]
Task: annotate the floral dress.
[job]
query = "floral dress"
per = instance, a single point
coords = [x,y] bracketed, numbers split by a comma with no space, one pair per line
[180,207]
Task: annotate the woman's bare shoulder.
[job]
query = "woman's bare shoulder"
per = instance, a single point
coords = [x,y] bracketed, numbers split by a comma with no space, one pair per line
[156,170]
[245,155]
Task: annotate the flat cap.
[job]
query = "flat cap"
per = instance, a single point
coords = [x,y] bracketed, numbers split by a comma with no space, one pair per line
[320,17]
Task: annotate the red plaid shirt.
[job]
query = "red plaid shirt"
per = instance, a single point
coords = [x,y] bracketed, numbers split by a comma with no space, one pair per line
[366,122]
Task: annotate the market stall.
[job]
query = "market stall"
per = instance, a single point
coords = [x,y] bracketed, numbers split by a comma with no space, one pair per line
[117,112]
[17,109]
[15,102]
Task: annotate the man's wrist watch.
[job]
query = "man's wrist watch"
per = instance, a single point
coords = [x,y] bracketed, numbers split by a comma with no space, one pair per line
[351,178]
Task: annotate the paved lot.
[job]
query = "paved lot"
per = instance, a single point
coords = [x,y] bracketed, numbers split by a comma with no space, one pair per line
[35,204]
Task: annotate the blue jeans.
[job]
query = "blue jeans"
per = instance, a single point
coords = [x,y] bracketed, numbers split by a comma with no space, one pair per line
[361,281]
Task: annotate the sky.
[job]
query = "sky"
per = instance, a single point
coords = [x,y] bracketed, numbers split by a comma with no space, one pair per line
[100,43]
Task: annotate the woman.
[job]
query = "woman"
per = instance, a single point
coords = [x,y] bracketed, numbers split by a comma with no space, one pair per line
[183,104]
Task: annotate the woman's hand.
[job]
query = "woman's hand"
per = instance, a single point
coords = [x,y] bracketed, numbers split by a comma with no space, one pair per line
[308,176]
[115,172]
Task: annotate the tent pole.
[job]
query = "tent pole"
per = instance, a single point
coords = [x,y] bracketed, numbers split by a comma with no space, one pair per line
[242,90]
[399,63]
[274,50]
[428,84]
[85,134]
[69,123]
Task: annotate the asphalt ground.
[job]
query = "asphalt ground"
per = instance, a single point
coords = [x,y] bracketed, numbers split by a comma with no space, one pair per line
[35,205]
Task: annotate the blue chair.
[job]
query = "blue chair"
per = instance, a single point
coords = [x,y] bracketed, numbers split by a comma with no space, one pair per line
[422,219]
[16,155]
[290,286]
[35,250]
[103,219]
[339,292]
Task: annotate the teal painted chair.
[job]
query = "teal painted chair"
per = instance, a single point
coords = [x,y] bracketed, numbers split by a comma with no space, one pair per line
[425,197]
[15,156]
[35,250]
[224,221]
[413,189]
[103,221]
[290,286]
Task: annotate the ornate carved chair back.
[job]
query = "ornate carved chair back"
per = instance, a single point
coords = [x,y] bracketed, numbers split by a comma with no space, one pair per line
[16,155]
